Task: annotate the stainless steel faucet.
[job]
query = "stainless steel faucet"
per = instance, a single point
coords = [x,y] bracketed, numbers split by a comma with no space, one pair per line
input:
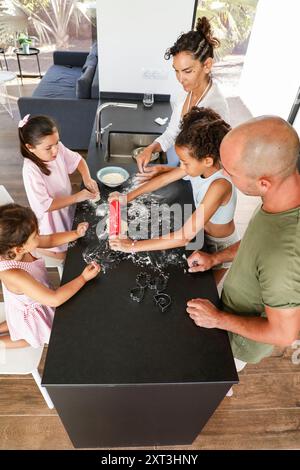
[99,129]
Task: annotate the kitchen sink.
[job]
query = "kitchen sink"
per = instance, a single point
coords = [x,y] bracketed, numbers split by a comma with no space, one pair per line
[120,146]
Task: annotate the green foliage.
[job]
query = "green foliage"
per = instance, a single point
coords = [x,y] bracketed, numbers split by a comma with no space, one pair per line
[34,5]
[231,21]
[24,39]
[51,18]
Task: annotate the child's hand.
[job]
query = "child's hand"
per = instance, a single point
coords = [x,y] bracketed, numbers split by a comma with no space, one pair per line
[91,185]
[150,172]
[122,244]
[81,229]
[116,196]
[84,195]
[90,271]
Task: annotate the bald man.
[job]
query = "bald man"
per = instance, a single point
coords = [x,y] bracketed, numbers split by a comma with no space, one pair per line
[261,294]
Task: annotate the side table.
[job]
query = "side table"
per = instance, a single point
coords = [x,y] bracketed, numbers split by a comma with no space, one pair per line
[32,51]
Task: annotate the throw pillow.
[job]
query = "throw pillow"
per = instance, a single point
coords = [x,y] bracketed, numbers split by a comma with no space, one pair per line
[94,49]
[92,58]
[84,83]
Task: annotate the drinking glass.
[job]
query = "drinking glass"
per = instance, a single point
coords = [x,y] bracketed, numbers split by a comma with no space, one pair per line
[148,99]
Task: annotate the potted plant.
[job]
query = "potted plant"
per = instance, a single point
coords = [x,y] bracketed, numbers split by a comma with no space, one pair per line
[24,42]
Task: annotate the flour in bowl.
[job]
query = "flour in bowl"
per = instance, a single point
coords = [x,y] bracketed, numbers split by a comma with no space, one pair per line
[113,178]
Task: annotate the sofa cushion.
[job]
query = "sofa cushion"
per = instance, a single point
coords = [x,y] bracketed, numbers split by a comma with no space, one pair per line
[95,85]
[58,82]
[92,58]
[94,49]
[84,83]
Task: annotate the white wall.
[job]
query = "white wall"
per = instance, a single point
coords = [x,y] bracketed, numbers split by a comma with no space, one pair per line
[133,35]
[271,73]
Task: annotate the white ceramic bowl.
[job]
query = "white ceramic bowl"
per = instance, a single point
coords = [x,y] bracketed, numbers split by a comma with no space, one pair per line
[102,176]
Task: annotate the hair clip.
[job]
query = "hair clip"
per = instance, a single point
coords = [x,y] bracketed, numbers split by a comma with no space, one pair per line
[24,121]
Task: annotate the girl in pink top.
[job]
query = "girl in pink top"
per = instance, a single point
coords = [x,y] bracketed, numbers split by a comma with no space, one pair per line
[29,300]
[47,166]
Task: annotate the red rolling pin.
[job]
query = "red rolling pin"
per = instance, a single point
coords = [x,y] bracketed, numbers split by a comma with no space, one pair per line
[114,218]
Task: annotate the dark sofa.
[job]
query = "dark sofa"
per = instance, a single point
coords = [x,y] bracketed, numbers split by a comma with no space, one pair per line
[69,93]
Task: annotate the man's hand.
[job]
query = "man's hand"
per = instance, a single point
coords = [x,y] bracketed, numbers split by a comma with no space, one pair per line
[81,229]
[200,261]
[203,313]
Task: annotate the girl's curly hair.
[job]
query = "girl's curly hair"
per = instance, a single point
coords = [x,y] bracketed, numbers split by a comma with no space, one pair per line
[202,131]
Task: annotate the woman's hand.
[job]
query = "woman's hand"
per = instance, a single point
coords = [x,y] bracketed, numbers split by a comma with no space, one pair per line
[81,229]
[144,158]
[150,172]
[91,185]
[122,244]
[200,261]
[91,271]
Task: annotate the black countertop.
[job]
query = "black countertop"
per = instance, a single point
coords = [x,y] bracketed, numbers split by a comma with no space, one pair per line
[102,337]
[126,120]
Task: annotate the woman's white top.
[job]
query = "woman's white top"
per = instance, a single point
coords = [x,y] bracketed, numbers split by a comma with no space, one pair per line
[214,99]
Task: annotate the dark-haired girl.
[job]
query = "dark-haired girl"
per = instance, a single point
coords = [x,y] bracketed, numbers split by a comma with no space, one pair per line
[29,300]
[46,169]
[197,144]
[192,54]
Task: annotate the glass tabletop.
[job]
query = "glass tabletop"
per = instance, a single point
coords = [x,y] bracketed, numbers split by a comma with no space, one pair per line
[6,76]
[32,51]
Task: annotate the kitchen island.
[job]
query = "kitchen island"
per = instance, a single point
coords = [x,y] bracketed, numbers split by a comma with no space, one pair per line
[122,373]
